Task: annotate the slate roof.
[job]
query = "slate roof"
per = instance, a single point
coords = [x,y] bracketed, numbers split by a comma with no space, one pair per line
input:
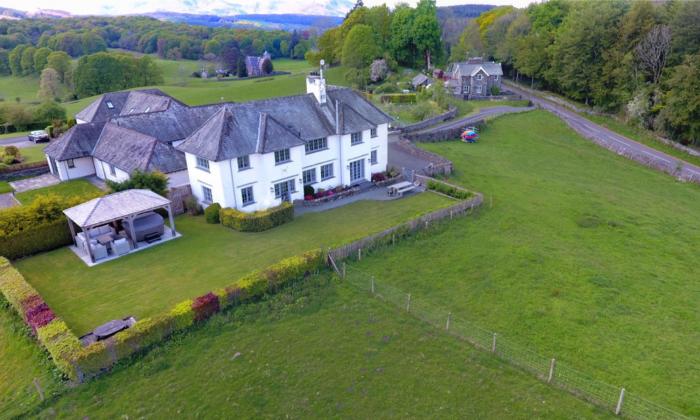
[467,69]
[130,150]
[113,104]
[279,123]
[77,142]
[173,124]
[115,206]
[419,80]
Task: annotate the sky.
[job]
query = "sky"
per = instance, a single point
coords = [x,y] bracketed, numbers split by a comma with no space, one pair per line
[220,7]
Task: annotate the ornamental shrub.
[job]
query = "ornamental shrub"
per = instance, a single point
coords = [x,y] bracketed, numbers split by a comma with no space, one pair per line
[63,346]
[450,190]
[406,98]
[14,287]
[211,213]
[182,315]
[257,221]
[205,306]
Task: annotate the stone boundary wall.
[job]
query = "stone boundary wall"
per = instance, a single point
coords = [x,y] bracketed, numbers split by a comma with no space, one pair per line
[446,116]
[178,195]
[36,170]
[438,164]
[448,133]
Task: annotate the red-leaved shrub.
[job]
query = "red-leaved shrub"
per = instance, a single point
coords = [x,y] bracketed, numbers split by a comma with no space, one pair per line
[205,306]
[39,319]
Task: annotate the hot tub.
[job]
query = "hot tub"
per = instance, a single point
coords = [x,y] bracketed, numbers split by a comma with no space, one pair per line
[148,224]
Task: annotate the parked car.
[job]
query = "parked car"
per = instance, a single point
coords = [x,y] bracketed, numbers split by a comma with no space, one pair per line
[38,136]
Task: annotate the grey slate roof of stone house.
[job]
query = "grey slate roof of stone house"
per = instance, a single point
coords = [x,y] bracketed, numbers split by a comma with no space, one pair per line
[113,104]
[77,142]
[130,150]
[279,123]
[470,69]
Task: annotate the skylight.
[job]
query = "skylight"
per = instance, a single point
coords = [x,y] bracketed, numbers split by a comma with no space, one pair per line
[110,105]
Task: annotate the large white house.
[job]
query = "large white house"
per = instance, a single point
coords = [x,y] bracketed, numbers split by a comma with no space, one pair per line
[249,156]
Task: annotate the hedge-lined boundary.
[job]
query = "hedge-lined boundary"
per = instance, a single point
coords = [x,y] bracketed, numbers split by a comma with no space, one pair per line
[80,363]
[468,201]
[257,221]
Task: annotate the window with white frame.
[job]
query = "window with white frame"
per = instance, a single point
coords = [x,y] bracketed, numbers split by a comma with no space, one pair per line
[479,76]
[284,189]
[316,144]
[247,195]
[206,193]
[356,138]
[373,132]
[243,162]
[282,156]
[70,163]
[309,176]
[495,77]
[373,157]
[112,170]
[326,171]
[202,164]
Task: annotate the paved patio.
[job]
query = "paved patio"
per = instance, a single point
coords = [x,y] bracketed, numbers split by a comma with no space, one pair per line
[374,193]
[34,183]
[7,200]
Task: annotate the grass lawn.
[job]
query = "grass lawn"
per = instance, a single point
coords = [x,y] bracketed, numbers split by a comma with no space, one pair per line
[67,188]
[33,154]
[24,88]
[206,257]
[21,362]
[585,256]
[317,351]
[5,187]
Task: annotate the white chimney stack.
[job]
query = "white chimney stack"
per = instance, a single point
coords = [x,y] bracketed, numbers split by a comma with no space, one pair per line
[317,85]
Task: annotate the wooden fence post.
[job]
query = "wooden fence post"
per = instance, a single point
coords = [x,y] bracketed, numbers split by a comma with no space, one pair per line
[359,254]
[372,285]
[408,302]
[551,371]
[618,409]
[344,271]
[493,344]
[447,324]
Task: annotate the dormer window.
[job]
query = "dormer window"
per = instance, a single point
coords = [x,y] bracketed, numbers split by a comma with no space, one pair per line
[110,105]
[479,76]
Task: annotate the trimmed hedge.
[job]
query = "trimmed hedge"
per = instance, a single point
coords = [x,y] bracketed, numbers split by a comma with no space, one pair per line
[38,227]
[399,98]
[450,190]
[257,221]
[211,213]
[79,363]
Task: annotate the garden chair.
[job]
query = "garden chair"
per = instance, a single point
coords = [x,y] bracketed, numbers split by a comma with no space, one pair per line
[121,246]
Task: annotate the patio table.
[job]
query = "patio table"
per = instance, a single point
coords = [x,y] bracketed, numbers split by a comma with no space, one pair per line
[109,329]
[105,239]
[398,186]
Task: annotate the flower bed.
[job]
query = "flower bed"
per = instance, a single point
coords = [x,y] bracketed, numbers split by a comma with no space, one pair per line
[330,195]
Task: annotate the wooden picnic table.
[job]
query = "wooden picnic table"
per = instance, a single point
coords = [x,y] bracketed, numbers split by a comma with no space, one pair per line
[400,188]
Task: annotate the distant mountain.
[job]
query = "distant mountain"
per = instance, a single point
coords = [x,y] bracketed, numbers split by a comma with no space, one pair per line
[286,22]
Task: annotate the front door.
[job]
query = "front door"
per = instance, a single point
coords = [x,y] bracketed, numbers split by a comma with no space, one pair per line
[357,170]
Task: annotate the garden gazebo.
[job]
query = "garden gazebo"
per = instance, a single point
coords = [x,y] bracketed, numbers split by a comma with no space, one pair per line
[123,206]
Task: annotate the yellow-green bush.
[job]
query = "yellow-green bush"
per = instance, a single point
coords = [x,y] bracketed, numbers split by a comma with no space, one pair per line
[257,221]
[63,346]
[182,315]
[13,286]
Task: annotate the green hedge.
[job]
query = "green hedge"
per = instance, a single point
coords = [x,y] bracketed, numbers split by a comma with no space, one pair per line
[211,213]
[100,356]
[38,227]
[259,220]
[450,190]
[401,98]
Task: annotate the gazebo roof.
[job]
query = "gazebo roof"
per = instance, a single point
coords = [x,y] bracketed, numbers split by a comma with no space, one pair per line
[115,206]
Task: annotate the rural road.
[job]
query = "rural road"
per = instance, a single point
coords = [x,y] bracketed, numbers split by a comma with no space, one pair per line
[615,142]
[19,141]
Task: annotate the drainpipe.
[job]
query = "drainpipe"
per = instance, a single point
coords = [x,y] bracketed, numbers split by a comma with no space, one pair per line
[233,184]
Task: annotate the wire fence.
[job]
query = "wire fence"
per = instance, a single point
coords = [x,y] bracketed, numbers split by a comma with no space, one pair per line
[547,369]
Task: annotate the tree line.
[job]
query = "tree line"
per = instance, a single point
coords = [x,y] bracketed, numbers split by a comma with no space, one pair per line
[87,35]
[638,58]
[403,36]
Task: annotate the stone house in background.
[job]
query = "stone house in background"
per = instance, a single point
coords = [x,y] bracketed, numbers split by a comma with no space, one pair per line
[474,78]
[254,64]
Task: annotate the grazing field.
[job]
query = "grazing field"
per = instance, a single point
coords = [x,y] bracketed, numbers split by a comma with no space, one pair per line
[24,88]
[584,256]
[76,187]
[206,257]
[317,350]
